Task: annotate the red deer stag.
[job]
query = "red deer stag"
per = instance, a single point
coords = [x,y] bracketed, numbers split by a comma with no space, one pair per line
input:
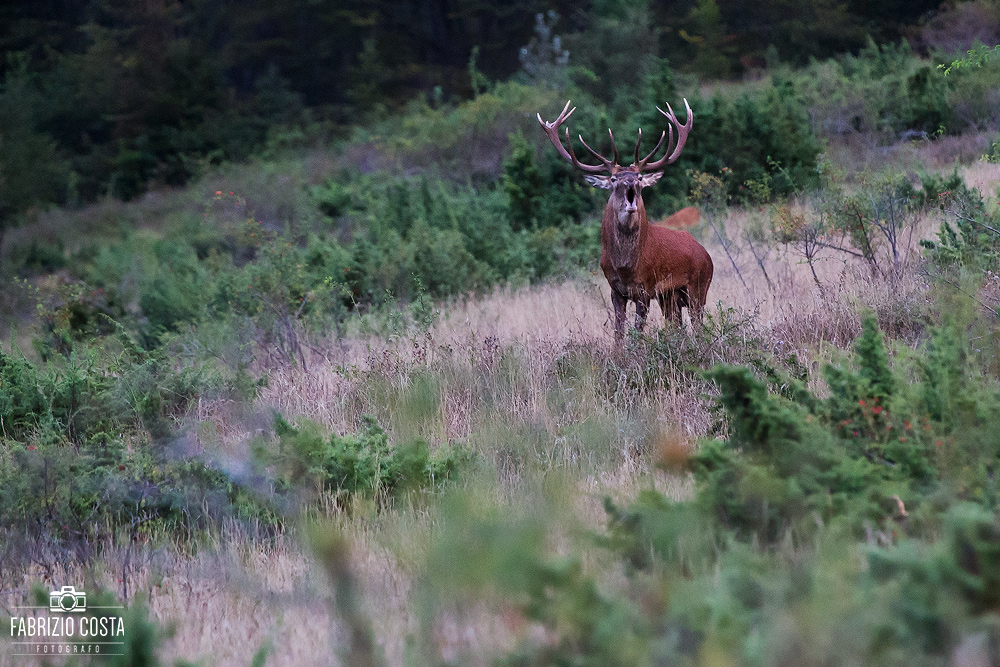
[641,260]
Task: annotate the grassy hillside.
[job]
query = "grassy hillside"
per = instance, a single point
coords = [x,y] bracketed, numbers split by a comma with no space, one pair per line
[362,404]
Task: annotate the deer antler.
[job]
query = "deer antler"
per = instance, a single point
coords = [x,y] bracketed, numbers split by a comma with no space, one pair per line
[640,163]
[673,151]
[552,130]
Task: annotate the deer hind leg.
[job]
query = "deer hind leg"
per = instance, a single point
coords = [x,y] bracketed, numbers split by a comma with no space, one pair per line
[698,301]
[697,313]
[641,311]
[683,301]
[670,306]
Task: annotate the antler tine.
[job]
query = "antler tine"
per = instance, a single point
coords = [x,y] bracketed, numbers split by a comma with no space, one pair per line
[638,142]
[613,146]
[607,163]
[572,153]
[563,115]
[643,161]
[552,132]
[560,119]
[674,150]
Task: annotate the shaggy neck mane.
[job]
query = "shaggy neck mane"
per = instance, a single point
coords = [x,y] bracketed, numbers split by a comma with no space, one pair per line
[623,244]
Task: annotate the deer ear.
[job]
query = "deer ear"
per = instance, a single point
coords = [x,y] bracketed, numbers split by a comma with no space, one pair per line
[649,179]
[603,182]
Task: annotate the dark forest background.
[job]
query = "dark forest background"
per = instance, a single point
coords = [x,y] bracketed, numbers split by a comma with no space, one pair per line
[107,97]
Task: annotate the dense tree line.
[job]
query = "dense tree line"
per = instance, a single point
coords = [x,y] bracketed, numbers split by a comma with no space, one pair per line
[108,96]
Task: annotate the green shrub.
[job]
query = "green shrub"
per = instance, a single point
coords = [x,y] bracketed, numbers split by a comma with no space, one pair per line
[488,551]
[466,139]
[969,240]
[844,458]
[175,288]
[523,184]
[21,401]
[880,218]
[926,96]
[942,584]
[86,446]
[548,194]
[41,257]
[77,497]
[764,136]
[360,464]
[763,561]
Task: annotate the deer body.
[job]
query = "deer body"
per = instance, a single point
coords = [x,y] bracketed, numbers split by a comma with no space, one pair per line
[686,217]
[641,260]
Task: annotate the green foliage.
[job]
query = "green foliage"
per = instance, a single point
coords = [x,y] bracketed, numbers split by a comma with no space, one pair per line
[74,497]
[939,190]
[873,361]
[401,238]
[975,57]
[41,257]
[614,57]
[142,636]
[707,38]
[466,141]
[842,458]
[127,96]
[85,440]
[969,240]
[863,508]
[765,559]
[590,628]
[174,288]
[928,109]
[21,399]
[887,92]
[452,239]
[761,137]
[30,172]
[880,216]
[942,583]
[543,195]
[769,489]
[523,184]
[361,464]
[482,549]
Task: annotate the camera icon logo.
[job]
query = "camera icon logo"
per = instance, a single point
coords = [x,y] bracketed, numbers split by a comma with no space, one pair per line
[67,598]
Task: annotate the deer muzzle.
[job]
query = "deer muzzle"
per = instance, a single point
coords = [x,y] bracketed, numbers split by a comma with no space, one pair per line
[630,203]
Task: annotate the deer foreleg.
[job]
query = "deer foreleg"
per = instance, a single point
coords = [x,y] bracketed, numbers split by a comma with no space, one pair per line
[619,301]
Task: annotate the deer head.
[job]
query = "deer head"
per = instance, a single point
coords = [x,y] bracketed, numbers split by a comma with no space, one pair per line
[625,183]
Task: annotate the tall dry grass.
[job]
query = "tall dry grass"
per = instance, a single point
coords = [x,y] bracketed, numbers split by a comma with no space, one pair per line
[532,380]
